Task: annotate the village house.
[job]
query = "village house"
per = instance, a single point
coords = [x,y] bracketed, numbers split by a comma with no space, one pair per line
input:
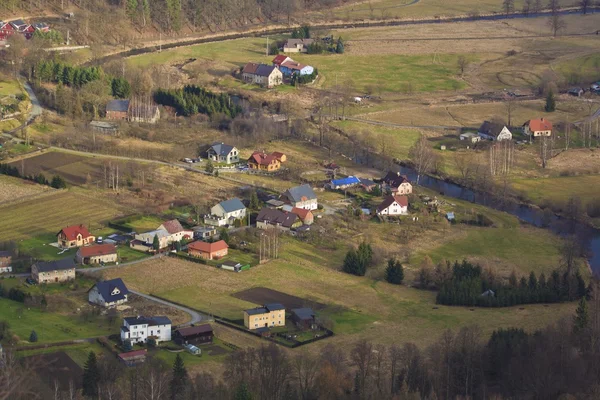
[280,59]
[297,45]
[97,253]
[223,153]
[270,315]
[5,261]
[208,251]
[291,67]
[196,335]
[145,241]
[393,205]
[140,329]
[470,137]
[306,216]
[6,30]
[304,318]
[264,162]
[262,74]
[226,213]
[74,236]
[537,127]
[176,232]
[108,293]
[41,26]
[133,358]
[272,218]
[344,183]
[367,184]
[494,131]
[301,196]
[53,271]
[132,110]
[395,183]
[116,110]
[205,232]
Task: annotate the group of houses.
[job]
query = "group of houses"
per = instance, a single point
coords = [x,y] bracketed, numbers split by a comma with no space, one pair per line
[494,131]
[273,75]
[132,110]
[227,154]
[7,29]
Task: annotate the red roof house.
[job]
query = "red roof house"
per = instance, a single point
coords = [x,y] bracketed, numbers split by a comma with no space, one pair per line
[208,251]
[74,236]
[263,161]
[393,205]
[306,216]
[538,127]
[97,253]
[280,59]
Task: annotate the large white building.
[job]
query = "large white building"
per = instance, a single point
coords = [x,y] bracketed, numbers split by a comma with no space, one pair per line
[301,197]
[226,212]
[108,293]
[140,329]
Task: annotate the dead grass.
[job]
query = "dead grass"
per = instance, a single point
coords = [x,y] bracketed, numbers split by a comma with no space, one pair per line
[14,189]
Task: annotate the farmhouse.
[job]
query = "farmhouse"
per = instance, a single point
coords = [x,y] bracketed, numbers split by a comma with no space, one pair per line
[108,293]
[291,67]
[264,162]
[116,110]
[304,318]
[280,59]
[262,74]
[140,329]
[133,358]
[226,213]
[5,260]
[393,205]
[74,236]
[367,184]
[6,30]
[395,183]
[176,231]
[132,110]
[306,216]
[301,196]
[271,218]
[53,271]
[195,335]
[297,45]
[344,183]
[494,131]
[537,127]
[146,240]
[97,253]
[223,153]
[470,137]
[19,25]
[263,317]
[208,251]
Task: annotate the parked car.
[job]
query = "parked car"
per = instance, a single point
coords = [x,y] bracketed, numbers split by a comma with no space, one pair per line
[30,281]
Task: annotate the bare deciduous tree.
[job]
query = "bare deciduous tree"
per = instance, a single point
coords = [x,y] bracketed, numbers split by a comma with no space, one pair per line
[508,6]
[422,156]
[556,23]
[462,64]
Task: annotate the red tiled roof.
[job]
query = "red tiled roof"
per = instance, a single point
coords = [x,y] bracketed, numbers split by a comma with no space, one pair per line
[279,59]
[278,155]
[208,247]
[293,65]
[389,200]
[540,124]
[72,231]
[262,158]
[250,68]
[173,226]
[301,212]
[98,250]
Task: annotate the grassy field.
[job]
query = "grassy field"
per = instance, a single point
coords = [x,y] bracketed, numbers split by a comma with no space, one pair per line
[9,86]
[586,68]
[50,327]
[39,247]
[12,189]
[237,256]
[358,307]
[33,218]
[78,352]
[144,223]
[543,190]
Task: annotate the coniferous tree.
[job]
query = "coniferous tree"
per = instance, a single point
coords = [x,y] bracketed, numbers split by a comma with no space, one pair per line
[254,203]
[512,279]
[242,392]
[209,167]
[58,182]
[224,235]
[179,378]
[533,282]
[91,376]
[340,46]
[394,272]
[550,102]
[351,262]
[156,243]
[582,316]
[33,337]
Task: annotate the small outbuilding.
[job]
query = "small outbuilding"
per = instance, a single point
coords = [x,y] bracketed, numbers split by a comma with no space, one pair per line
[195,335]
[304,318]
[133,358]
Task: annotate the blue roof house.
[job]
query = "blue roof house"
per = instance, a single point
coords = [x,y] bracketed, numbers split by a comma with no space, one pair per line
[344,183]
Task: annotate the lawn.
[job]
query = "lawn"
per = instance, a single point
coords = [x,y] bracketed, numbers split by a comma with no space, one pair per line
[39,248]
[127,254]
[558,190]
[190,359]
[78,352]
[9,86]
[238,256]
[358,307]
[143,223]
[50,327]
[33,218]
[585,68]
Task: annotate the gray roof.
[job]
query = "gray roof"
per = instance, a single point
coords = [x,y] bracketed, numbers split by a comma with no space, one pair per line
[117,105]
[256,311]
[264,70]
[304,313]
[265,309]
[274,306]
[221,149]
[59,265]
[232,205]
[490,128]
[300,193]
[5,254]
[106,288]
[152,321]
[274,216]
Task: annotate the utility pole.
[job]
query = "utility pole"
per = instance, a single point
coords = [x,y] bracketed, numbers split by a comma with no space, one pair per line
[159,42]
[267,51]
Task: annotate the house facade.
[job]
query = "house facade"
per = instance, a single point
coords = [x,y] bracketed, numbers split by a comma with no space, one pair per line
[116,110]
[196,335]
[344,183]
[301,197]
[140,329]
[395,183]
[280,59]
[306,216]
[494,131]
[53,271]
[304,318]
[74,236]
[5,261]
[273,218]
[261,74]
[226,213]
[176,232]
[297,45]
[291,67]
[208,251]
[393,205]
[97,253]
[264,162]
[270,315]
[6,30]
[133,110]
[223,153]
[538,127]
[108,293]
[147,238]
[205,232]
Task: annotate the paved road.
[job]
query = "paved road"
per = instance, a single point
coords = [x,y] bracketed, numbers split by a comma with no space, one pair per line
[36,109]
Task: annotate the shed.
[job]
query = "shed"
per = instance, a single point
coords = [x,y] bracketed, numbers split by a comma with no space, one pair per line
[303,317]
[133,358]
[196,335]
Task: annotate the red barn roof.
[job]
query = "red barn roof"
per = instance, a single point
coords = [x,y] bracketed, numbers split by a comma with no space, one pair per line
[262,158]
[208,247]
[301,212]
[72,231]
[173,226]
[133,354]
[279,59]
[98,250]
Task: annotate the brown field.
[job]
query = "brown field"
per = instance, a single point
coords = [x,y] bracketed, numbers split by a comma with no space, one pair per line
[55,368]
[15,189]
[261,296]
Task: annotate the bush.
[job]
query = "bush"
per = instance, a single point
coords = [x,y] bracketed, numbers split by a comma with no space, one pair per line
[394,273]
[33,337]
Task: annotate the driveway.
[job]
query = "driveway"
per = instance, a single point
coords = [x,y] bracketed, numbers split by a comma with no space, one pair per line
[36,108]
[196,316]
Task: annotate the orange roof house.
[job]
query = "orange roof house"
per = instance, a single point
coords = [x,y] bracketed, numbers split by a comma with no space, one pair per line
[74,236]
[538,127]
[306,216]
[264,162]
[208,251]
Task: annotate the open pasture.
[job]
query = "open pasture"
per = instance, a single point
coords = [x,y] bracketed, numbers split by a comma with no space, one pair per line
[261,296]
[15,189]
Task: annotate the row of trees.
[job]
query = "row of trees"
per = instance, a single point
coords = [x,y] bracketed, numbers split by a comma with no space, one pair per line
[469,286]
[57,182]
[192,99]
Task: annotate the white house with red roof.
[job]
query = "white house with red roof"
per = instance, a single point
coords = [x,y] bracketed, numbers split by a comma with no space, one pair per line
[74,236]
[176,231]
[393,205]
[538,127]
[280,59]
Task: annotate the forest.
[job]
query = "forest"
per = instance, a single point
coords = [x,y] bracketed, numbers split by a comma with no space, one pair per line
[192,100]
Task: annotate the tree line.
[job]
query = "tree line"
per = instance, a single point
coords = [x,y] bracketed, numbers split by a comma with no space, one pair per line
[561,360]
[57,182]
[467,285]
[192,99]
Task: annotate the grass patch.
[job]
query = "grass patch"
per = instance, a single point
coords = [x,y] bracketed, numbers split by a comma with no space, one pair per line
[50,327]
[127,254]
[144,223]
[78,352]
[558,190]
[581,69]
[238,256]
[39,248]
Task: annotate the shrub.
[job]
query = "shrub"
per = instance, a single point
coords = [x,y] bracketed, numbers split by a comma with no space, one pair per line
[33,337]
